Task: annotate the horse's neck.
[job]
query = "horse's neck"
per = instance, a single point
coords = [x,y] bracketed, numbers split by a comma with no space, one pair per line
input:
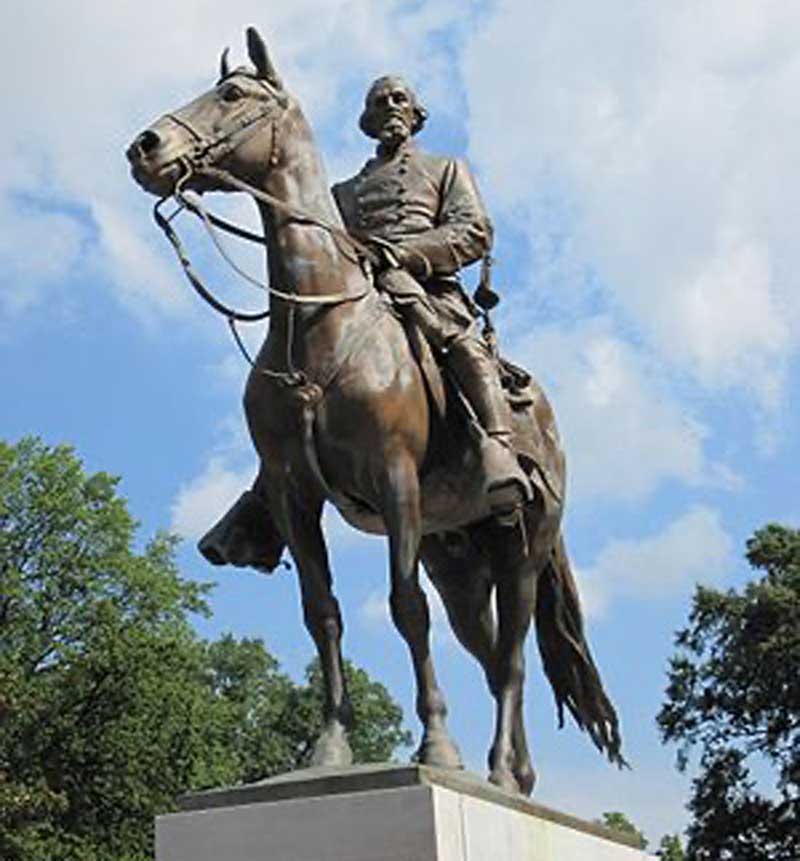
[303,258]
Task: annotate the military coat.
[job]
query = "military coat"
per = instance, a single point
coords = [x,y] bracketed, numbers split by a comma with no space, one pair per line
[425,203]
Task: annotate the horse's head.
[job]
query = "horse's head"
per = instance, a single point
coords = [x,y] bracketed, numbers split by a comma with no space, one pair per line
[231,127]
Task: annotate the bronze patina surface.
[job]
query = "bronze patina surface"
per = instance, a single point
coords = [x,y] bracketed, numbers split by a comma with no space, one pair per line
[345,404]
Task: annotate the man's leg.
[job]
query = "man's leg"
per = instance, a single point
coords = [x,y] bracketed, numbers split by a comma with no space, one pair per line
[443,320]
[476,372]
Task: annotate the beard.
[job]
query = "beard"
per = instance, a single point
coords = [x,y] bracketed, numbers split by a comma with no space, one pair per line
[394,131]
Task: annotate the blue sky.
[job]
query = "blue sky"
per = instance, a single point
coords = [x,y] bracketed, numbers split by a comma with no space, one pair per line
[639,164]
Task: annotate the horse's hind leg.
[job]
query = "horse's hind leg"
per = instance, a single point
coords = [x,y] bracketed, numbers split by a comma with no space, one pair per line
[462,576]
[509,760]
[401,513]
[324,622]
[516,564]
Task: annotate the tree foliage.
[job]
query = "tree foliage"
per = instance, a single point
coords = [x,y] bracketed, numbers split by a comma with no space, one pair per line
[110,705]
[269,724]
[734,694]
[97,720]
[670,848]
[617,821]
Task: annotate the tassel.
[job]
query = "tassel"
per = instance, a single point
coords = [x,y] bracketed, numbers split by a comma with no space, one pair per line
[484,296]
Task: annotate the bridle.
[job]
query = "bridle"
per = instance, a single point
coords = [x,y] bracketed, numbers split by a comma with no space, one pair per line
[200,162]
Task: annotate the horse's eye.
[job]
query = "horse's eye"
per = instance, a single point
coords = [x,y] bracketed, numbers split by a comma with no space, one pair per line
[232,93]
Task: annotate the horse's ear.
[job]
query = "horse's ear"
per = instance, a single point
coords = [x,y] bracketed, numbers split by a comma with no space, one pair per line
[224,68]
[258,54]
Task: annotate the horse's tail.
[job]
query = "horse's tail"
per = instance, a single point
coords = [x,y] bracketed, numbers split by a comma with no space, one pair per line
[567,659]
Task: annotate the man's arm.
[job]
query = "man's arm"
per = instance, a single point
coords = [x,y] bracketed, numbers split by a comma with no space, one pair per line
[463,233]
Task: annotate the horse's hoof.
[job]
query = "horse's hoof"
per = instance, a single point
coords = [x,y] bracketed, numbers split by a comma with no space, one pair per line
[332,748]
[504,779]
[438,750]
[526,779]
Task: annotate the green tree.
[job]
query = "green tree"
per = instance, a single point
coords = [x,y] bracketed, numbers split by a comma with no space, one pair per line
[270,723]
[110,705]
[734,694]
[251,696]
[377,720]
[670,848]
[100,672]
[619,822]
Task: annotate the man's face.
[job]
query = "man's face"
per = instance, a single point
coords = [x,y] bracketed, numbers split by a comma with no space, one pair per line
[391,107]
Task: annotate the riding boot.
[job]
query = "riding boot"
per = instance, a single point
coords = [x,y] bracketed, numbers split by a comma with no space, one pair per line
[507,485]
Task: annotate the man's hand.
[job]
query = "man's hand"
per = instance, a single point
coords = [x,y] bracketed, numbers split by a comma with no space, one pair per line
[414,262]
[395,256]
[385,255]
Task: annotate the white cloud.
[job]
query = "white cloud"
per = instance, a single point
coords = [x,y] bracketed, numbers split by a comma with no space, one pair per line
[653,147]
[146,285]
[375,609]
[622,431]
[202,501]
[39,248]
[693,548]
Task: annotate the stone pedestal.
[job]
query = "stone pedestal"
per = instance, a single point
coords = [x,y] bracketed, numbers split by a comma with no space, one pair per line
[378,813]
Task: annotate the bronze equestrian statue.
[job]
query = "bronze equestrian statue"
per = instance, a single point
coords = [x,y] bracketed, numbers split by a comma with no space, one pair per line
[459,465]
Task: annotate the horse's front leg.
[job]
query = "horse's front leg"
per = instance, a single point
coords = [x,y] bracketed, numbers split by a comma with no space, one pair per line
[324,622]
[409,607]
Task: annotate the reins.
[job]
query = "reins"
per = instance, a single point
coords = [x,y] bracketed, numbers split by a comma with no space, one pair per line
[165,223]
[210,222]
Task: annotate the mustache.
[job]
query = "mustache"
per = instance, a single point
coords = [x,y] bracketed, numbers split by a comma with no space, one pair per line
[395,115]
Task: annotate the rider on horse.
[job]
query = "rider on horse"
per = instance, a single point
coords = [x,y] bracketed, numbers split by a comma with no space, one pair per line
[355,404]
[424,216]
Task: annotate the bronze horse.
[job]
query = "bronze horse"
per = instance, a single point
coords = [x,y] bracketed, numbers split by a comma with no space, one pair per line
[339,409]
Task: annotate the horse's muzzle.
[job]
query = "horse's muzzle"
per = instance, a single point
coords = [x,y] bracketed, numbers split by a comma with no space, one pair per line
[144,145]
[156,163]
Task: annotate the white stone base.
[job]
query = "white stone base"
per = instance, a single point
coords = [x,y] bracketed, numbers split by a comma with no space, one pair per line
[397,813]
